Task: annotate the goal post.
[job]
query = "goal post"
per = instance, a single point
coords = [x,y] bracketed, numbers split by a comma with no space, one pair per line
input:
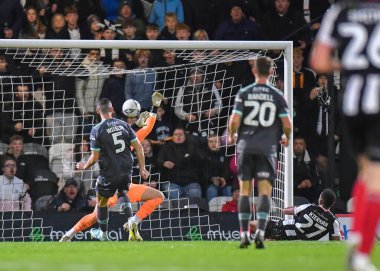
[57,58]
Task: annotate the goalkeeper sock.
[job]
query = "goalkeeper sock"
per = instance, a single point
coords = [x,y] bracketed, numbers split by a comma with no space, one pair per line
[262,212]
[244,213]
[148,207]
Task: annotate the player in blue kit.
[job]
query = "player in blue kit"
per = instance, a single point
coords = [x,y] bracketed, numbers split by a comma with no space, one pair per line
[260,116]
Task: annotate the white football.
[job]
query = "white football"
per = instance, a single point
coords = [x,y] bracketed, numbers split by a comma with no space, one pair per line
[131,108]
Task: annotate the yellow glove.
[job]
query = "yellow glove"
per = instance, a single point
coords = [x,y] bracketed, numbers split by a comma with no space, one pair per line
[141,122]
[157,98]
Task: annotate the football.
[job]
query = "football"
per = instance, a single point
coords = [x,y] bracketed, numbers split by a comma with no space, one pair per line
[131,108]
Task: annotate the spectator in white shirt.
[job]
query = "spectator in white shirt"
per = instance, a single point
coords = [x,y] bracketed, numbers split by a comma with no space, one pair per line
[13,191]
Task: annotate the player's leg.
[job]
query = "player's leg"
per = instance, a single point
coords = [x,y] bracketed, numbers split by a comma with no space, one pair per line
[264,174]
[245,175]
[151,197]
[262,211]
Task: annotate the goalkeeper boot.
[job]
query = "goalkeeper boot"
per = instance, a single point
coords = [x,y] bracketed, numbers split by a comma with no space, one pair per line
[245,241]
[259,239]
[133,230]
[99,234]
[65,238]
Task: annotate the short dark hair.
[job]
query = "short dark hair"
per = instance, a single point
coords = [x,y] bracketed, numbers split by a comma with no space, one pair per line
[104,105]
[7,158]
[328,198]
[263,65]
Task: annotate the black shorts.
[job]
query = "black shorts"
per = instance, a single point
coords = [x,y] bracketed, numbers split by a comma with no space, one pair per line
[278,231]
[106,186]
[256,166]
[364,135]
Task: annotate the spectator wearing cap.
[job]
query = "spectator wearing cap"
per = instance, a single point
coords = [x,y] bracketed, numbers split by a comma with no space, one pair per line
[69,199]
[198,103]
[161,7]
[238,27]
[110,32]
[126,14]
[13,191]
[92,29]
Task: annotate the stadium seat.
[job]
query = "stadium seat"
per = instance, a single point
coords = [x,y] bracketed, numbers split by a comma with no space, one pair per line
[42,202]
[216,204]
[57,153]
[35,149]
[3,148]
[44,182]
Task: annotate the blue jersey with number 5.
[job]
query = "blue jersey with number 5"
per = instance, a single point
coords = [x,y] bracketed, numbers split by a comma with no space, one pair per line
[260,106]
[113,138]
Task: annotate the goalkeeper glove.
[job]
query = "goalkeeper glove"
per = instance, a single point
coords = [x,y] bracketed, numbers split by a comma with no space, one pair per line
[156,99]
[141,122]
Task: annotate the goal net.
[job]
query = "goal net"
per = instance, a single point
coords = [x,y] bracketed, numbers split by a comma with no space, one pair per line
[52,95]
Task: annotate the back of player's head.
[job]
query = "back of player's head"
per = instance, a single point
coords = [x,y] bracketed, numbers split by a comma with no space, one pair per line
[327,198]
[104,106]
[263,65]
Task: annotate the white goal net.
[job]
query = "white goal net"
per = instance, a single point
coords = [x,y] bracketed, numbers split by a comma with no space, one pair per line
[52,97]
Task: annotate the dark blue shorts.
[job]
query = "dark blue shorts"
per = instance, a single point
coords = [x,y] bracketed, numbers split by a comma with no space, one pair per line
[107,186]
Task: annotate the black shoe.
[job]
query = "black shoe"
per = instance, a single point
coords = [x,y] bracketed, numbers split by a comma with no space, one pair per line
[245,242]
[259,239]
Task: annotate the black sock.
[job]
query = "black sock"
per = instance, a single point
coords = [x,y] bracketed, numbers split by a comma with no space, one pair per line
[103,218]
[263,208]
[126,205]
[244,212]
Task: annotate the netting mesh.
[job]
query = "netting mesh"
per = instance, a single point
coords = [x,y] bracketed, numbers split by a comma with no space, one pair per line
[54,105]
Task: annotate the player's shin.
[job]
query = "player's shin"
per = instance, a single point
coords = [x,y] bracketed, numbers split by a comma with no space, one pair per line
[103,218]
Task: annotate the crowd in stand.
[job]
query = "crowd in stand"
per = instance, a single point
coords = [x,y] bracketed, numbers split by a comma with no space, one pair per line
[191,163]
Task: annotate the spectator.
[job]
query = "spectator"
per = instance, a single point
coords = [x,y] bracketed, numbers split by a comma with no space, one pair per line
[232,205]
[71,17]
[110,32]
[168,32]
[162,129]
[129,30]
[303,82]
[88,88]
[140,85]
[179,162]
[13,191]
[215,170]
[16,151]
[238,27]
[69,199]
[126,14]
[182,32]
[324,107]
[198,103]
[304,171]
[33,27]
[23,116]
[89,8]
[200,34]
[11,18]
[283,23]
[92,29]
[162,7]
[151,32]
[113,87]
[151,164]
[57,29]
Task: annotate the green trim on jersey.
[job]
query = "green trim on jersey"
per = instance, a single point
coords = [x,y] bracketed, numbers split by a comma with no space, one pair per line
[283,115]
[237,112]
[95,149]
[133,140]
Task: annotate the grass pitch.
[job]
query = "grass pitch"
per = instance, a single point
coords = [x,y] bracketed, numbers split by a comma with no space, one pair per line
[173,256]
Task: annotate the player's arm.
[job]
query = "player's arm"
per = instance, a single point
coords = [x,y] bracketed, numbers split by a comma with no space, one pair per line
[289,210]
[233,126]
[322,60]
[94,157]
[287,129]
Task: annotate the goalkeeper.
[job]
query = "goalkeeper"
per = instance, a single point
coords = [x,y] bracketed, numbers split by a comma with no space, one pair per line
[152,197]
